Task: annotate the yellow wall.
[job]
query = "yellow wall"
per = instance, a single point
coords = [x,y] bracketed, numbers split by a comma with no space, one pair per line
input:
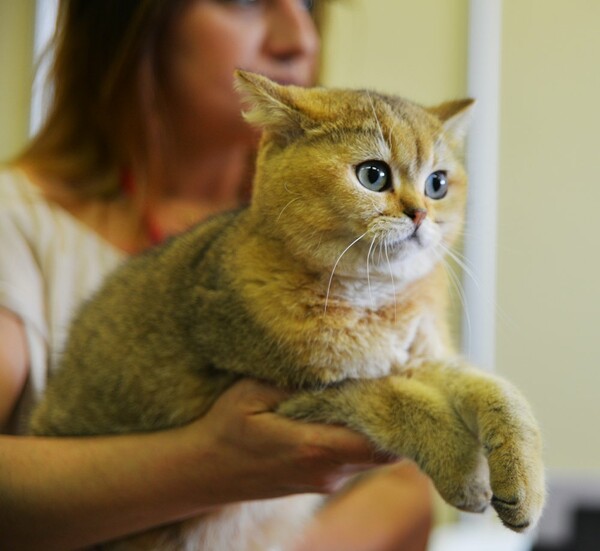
[414,48]
[549,224]
[16,54]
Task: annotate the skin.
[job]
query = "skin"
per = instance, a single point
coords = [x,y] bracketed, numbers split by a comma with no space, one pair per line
[386,523]
[101,484]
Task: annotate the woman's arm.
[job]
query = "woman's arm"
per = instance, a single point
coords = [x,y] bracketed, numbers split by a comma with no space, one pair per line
[390,510]
[65,493]
[13,364]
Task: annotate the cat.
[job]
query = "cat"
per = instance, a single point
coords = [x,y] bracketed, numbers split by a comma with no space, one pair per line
[331,283]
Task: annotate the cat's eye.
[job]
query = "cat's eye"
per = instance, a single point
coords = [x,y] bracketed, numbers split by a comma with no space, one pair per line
[436,185]
[374,175]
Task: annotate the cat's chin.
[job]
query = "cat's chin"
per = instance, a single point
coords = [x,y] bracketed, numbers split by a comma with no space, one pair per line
[410,258]
[403,249]
[404,262]
[408,247]
[395,257]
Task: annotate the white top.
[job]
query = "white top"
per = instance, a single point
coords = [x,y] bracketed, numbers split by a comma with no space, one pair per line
[49,263]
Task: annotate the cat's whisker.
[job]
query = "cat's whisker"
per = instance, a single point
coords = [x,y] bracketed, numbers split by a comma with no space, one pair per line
[368,274]
[312,237]
[285,186]
[335,266]
[390,133]
[463,264]
[320,241]
[379,128]
[462,232]
[380,246]
[459,254]
[375,206]
[283,209]
[457,284]
[460,260]
[393,283]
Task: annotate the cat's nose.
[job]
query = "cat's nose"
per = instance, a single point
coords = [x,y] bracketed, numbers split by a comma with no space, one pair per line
[416,215]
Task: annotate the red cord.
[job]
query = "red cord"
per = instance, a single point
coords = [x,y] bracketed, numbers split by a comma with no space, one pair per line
[129,187]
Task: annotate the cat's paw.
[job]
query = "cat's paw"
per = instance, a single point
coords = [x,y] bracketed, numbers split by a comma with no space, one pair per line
[502,420]
[512,440]
[517,480]
[467,489]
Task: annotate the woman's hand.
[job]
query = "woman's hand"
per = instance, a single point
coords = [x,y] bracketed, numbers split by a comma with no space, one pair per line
[259,454]
[253,453]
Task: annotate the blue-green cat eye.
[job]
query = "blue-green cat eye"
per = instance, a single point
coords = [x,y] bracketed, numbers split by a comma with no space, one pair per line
[436,185]
[374,175]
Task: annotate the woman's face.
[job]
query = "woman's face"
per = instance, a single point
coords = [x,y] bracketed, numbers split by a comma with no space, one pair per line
[211,39]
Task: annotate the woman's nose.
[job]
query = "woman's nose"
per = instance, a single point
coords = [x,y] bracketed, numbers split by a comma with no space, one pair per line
[292,33]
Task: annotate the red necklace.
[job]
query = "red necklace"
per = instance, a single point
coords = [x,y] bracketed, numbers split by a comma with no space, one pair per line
[129,186]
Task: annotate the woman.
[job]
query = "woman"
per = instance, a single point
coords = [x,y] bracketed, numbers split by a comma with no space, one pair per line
[144,138]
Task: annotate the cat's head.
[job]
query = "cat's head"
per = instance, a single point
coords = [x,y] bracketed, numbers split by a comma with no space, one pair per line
[346,167]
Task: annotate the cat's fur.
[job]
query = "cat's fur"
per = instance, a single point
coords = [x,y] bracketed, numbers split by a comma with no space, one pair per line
[321,286]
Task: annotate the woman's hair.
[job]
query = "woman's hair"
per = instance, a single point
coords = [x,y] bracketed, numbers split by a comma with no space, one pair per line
[106,74]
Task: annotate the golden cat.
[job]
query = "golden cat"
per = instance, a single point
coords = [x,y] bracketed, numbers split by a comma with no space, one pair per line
[330,283]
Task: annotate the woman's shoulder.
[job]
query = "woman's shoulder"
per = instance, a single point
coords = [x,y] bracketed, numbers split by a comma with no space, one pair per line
[49,264]
[23,200]
[16,189]
[24,205]
[23,208]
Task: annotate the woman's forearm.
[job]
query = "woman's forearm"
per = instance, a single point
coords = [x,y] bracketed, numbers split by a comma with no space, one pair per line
[389,510]
[66,493]
[62,494]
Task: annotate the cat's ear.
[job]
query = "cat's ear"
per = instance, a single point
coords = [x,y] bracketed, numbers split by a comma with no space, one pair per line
[271,106]
[455,116]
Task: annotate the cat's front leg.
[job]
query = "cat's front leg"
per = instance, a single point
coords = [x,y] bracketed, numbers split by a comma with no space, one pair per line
[502,420]
[408,418]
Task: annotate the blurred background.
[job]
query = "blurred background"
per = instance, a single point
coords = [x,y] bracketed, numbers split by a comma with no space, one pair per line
[532,276]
